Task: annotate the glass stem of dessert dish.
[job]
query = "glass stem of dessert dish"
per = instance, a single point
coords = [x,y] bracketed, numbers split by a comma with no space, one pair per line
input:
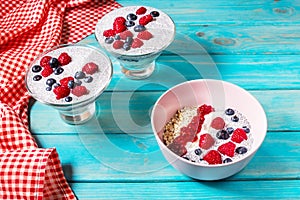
[70,78]
[135,36]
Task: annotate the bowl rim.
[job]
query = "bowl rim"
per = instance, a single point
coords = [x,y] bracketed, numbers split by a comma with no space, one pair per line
[252,150]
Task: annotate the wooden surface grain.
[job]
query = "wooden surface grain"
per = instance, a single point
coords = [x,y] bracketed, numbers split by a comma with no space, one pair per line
[254,44]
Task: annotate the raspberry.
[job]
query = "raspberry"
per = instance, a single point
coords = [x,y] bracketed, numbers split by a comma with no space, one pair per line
[126,34]
[217,123]
[118,44]
[145,20]
[239,135]
[65,81]
[141,11]
[206,141]
[47,71]
[213,157]
[205,109]
[145,35]
[79,91]
[137,43]
[61,92]
[109,33]
[64,58]
[90,68]
[44,62]
[227,149]
[120,20]
[118,28]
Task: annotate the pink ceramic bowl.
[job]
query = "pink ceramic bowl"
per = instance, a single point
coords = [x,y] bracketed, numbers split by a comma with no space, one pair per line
[219,94]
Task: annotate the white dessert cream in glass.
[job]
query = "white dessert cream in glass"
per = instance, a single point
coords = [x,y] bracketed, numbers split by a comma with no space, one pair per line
[135,36]
[70,78]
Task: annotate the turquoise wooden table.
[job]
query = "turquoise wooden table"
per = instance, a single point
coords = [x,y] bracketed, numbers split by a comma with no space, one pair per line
[254,44]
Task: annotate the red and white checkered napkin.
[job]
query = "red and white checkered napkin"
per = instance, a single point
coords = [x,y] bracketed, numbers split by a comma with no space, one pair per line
[27,28]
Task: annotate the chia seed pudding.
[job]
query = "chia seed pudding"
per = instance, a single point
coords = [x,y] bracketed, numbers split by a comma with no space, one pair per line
[135,30]
[69,74]
[208,136]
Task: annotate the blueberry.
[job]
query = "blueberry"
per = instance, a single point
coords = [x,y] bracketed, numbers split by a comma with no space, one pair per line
[154,13]
[58,70]
[109,40]
[68,99]
[241,150]
[246,129]
[55,85]
[198,152]
[117,37]
[79,75]
[129,23]
[48,88]
[126,46]
[50,81]
[223,135]
[129,40]
[37,77]
[230,130]
[36,68]
[229,111]
[71,84]
[235,118]
[227,160]
[131,16]
[139,28]
[88,79]
[54,63]
[78,82]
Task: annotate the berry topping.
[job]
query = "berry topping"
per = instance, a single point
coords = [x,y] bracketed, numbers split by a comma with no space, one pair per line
[44,62]
[79,75]
[58,70]
[109,40]
[78,82]
[68,99]
[229,111]
[36,68]
[246,129]
[55,85]
[218,123]
[129,23]
[88,79]
[154,13]
[79,91]
[206,141]
[230,130]
[61,92]
[64,58]
[71,84]
[141,11]
[131,17]
[139,28]
[37,77]
[90,68]
[235,118]
[47,71]
[198,152]
[145,19]
[227,149]
[205,109]
[50,81]
[137,43]
[118,44]
[109,33]
[239,135]
[118,28]
[145,35]
[65,81]
[126,34]
[213,157]
[227,160]
[222,135]
[126,46]
[241,150]
[54,62]
[129,40]
[48,88]
[120,20]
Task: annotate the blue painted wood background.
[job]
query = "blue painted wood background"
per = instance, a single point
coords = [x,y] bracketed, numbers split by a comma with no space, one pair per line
[254,44]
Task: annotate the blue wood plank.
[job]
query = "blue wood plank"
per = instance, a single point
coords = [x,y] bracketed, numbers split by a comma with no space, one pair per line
[137,158]
[191,190]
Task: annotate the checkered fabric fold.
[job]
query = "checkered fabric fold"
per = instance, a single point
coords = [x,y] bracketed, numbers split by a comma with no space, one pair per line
[27,28]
